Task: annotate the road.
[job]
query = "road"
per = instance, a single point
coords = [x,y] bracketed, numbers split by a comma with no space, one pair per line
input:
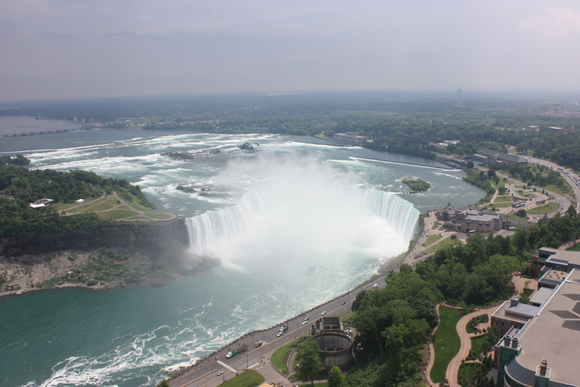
[205,373]
[571,177]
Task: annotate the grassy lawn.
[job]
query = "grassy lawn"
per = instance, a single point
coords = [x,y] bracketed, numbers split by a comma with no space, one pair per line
[468,371]
[432,239]
[280,354]
[249,378]
[525,194]
[446,342]
[544,209]
[100,205]
[477,344]
[116,214]
[562,191]
[137,206]
[576,247]
[469,328]
[504,198]
[445,242]
[158,215]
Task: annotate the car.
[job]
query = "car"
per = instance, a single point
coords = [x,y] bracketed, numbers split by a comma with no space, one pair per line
[260,343]
[323,313]
[344,302]
[220,373]
[279,333]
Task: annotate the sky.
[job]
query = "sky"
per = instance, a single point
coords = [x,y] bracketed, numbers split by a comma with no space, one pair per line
[52,49]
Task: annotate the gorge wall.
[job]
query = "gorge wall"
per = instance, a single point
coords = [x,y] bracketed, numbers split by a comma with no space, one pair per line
[150,239]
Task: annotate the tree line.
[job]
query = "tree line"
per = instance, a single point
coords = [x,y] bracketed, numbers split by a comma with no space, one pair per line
[393,323]
[20,186]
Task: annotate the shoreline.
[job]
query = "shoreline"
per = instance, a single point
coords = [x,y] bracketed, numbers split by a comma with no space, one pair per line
[73,269]
[383,270]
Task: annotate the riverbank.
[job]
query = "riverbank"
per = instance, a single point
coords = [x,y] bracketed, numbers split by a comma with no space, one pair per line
[97,270]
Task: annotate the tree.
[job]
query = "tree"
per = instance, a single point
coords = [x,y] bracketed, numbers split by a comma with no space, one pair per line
[522,213]
[334,377]
[309,362]
[164,383]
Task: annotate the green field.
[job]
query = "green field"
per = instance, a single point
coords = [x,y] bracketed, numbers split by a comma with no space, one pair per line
[525,194]
[446,342]
[503,198]
[576,247]
[278,356]
[116,214]
[249,378]
[477,344]
[562,191]
[432,239]
[445,242]
[544,209]
[468,371]
[158,215]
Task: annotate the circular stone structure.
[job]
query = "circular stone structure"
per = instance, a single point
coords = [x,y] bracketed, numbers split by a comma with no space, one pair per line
[336,349]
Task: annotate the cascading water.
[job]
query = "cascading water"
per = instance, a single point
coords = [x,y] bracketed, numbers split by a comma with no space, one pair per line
[306,215]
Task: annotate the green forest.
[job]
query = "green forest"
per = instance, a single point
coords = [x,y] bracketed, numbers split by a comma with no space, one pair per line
[393,323]
[20,186]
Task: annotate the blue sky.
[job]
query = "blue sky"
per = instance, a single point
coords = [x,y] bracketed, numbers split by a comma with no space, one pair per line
[82,48]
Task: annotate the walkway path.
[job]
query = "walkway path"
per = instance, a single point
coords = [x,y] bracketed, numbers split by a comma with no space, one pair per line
[453,368]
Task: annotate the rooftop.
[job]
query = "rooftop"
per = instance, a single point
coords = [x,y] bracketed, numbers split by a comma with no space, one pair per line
[541,296]
[561,257]
[554,334]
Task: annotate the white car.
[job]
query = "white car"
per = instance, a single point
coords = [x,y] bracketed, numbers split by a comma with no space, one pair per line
[220,373]
[323,313]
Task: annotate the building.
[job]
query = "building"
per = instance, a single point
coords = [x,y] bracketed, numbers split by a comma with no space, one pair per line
[512,313]
[41,203]
[549,259]
[544,351]
[448,213]
[482,222]
[350,138]
[555,129]
[495,158]
[333,344]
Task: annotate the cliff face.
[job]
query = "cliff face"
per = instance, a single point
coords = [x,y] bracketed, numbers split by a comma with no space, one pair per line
[151,239]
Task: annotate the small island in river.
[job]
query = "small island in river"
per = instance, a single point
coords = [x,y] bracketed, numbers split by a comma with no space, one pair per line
[417,185]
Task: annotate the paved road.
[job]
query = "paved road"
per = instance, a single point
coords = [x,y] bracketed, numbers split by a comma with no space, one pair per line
[205,373]
[571,177]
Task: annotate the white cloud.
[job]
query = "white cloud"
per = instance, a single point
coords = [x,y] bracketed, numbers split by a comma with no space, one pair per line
[557,22]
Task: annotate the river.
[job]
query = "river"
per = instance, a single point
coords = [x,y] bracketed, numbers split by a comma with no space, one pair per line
[296,222]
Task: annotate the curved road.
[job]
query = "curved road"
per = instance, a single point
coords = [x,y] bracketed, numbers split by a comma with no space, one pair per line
[205,373]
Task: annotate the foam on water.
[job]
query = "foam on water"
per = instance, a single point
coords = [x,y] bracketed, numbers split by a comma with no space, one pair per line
[301,210]
[338,211]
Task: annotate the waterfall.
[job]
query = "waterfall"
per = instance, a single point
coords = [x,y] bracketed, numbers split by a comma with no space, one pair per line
[291,223]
